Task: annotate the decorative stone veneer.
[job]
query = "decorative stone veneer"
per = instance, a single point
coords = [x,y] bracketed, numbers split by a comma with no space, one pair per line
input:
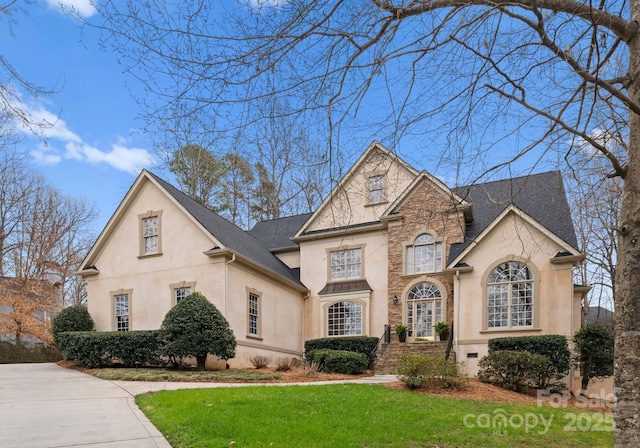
[426,209]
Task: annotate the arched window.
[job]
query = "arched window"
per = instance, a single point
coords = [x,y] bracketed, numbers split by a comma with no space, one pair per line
[425,255]
[424,309]
[344,318]
[510,296]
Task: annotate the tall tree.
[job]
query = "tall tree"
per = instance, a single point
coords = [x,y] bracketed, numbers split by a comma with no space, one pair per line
[44,236]
[237,186]
[198,172]
[515,75]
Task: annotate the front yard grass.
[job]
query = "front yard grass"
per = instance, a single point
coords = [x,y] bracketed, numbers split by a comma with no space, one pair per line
[157,374]
[355,415]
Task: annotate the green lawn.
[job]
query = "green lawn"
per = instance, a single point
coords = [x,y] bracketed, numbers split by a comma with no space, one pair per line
[156,374]
[356,415]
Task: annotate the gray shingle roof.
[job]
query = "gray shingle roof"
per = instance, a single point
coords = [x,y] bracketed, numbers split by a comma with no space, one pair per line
[230,235]
[276,234]
[541,196]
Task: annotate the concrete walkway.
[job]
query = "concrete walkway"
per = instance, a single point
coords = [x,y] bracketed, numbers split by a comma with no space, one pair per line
[47,406]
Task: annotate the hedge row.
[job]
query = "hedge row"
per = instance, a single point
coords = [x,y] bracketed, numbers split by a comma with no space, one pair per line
[93,349]
[359,344]
[339,361]
[515,370]
[553,346]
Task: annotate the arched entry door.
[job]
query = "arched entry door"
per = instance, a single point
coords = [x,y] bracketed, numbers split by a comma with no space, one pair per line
[424,309]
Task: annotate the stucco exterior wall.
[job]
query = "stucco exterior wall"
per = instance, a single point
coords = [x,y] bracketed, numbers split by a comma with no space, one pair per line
[315,274]
[150,280]
[555,306]
[350,204]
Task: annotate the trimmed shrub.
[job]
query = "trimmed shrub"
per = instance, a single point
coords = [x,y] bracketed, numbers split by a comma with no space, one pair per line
[93,349]
[339,361]
[416,370]
[594,345]
[358,344]
[195,327]
[515,370]
[553,346]
[73,318]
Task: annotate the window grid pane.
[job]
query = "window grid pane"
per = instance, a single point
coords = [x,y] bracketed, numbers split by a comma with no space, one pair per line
[424,256]
[424,309]
[510,296]
[376,189]
[346,264]
[122,312]
[150,234]
[181,293]
[254,311]
[344,318]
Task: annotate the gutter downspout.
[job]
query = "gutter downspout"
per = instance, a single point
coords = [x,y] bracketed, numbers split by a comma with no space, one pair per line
[226,283]
[456,306]
[304,317]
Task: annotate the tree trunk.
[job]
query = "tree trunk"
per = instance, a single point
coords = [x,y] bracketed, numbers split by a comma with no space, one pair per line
[201,360]
[627,299]
[585,384]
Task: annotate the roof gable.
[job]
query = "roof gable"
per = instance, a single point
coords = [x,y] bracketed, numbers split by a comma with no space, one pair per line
[346,206]
[541,197]
[435,184]
[223,234]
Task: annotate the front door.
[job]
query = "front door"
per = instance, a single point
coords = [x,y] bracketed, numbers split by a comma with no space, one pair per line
[424,309]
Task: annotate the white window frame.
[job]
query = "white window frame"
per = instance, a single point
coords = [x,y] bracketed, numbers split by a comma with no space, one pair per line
[376,189]
[342,264]
[502,311]
[117,309]
[150,236]
[254,313]
[179,286]
[350,325]
[431,295]
[423,255]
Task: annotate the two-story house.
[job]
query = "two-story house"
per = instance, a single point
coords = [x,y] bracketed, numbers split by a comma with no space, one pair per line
[389,245]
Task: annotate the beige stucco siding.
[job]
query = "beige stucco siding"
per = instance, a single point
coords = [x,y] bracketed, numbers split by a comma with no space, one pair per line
[281,312]
[350,202]
[314,274]
[554,302]
[149,280]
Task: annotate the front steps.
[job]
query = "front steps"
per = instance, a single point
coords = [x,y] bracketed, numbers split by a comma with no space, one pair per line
[395,349]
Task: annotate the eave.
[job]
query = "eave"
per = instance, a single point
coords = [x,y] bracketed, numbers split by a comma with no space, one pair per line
[231,255]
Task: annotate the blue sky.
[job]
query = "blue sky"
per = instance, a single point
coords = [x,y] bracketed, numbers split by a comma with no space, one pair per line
[94,149]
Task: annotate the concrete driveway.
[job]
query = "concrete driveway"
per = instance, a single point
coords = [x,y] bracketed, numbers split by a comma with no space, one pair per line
[47,406]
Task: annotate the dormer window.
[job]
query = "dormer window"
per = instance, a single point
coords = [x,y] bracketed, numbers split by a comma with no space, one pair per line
[376,189]
[425,255]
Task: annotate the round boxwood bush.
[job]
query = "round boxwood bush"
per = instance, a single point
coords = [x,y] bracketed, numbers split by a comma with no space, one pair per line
[195,327]
[73,318]
[340,361]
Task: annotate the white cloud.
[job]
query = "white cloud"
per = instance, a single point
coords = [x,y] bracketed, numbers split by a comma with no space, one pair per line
[119,156]
[131,160]
[84,8]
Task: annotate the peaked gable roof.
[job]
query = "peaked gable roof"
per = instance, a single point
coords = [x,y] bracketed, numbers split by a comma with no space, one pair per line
[540,196]
[356,167]
[231,236]
[456,200]
[224,234]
